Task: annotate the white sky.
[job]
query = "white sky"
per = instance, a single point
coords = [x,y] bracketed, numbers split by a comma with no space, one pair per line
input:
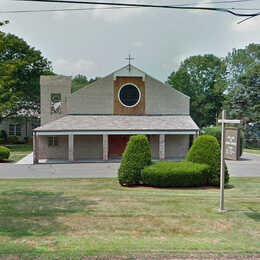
[95,43]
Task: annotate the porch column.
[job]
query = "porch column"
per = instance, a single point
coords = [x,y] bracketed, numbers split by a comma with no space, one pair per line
[195,136]
[162,147]
[71,148]
[105,148]
[35,148]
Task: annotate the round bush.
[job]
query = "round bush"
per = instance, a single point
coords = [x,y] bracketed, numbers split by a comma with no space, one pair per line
[4,153]
[175,174]
[12,139]
[206,150]
[136,156]
[216,132]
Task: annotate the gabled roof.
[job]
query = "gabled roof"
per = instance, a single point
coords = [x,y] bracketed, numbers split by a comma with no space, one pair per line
[134,72]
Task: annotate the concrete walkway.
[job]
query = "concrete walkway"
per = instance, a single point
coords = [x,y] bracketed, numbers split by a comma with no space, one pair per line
[248,166]
[28,159]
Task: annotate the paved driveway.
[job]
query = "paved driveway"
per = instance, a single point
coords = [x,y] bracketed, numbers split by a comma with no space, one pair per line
[249,165]
[76,170]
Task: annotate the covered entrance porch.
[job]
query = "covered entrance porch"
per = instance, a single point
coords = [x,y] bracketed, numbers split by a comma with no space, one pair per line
[87,138]
[96,148]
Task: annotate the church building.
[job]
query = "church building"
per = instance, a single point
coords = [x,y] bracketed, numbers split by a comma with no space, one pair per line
[96,122]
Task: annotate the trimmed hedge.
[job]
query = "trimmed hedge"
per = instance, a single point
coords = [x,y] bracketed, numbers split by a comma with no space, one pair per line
[4,153]
[216,132]
[175,174]
[206,150]
[12,139]
[136,156]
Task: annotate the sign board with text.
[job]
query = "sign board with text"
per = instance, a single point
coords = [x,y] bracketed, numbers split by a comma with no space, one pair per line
[232,143]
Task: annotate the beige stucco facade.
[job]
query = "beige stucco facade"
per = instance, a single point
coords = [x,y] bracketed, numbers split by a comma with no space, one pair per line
[90,147]
[54,85]
[96,98]
[59,152]
[83,134]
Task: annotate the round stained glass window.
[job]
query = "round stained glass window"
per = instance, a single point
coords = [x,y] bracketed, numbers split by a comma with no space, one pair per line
[129,95]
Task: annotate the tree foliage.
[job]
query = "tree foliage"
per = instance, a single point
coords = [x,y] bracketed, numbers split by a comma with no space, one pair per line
[213,83]
[20,70]
[80,81]
[202,78]
[244,98]
[239,61]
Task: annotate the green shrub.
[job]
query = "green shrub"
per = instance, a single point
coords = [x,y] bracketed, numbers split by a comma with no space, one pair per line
[12,139]
[175,174]
[206,150]
[3,135]
[216,132]
[136,156]
[4,153]
[2,141]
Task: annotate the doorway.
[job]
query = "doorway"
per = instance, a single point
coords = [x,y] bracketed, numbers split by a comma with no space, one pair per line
[117,145]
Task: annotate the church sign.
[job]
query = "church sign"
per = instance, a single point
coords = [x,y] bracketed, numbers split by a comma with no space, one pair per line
[232,143]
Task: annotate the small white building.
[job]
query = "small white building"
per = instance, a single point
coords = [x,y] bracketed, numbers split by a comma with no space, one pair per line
[95,122]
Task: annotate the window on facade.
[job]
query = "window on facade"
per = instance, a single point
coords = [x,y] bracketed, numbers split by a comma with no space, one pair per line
[52,140]
[129,95]
[55,103]
[15,129]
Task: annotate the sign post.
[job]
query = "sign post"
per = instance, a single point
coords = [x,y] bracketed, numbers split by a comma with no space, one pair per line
[222,163]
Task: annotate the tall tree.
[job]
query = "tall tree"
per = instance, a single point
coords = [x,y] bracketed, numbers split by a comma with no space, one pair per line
[242,82]
[20,70]
[244,98]
[239,60]
[202,78]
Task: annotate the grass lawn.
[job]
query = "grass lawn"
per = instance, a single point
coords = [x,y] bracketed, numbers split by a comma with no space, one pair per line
[73,218]
[254,151]
[18,151]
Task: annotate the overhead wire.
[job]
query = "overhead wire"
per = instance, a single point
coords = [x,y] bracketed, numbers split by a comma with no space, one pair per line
[93,9]
[61,10]
[232,11]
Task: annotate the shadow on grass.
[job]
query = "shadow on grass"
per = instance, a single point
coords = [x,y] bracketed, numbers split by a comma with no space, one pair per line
[255,215]
[34,213]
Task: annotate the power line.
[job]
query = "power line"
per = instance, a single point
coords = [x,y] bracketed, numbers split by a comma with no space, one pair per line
[146,5]
[222,2]
[61,10]
[218,9]
[93,9]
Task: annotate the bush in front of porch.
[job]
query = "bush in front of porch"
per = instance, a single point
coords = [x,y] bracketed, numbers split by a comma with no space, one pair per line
[136,156]
[175,174]
[206,150]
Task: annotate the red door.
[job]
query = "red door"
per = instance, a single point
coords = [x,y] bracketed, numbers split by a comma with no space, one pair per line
[117,145]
